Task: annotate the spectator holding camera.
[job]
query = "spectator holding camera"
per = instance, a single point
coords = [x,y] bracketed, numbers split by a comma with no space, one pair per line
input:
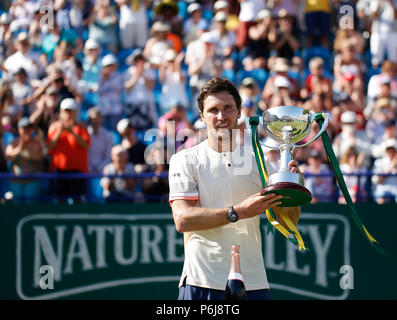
[26,155]
[68,144]
[56,78]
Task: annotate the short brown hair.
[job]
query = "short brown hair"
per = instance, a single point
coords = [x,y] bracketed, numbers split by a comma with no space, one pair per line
[216,85]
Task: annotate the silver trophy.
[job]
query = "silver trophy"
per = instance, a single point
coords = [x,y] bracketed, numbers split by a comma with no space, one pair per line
[288,125]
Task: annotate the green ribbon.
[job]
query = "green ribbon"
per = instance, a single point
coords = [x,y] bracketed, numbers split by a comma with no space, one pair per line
[291,235]
[254,122]
[334,165]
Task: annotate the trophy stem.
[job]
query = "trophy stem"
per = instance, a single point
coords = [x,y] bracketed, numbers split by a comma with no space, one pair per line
[286,151]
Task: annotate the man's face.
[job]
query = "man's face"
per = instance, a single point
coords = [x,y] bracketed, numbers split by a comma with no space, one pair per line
[25,133]
[220,114]
[68,116]
[96,120]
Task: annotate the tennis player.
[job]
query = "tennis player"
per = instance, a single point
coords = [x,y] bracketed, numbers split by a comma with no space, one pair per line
[215,198]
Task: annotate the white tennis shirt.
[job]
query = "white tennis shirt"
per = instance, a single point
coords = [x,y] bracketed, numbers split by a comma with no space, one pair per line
[219,180]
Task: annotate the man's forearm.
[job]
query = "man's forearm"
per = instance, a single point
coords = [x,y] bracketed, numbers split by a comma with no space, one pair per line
[197,218]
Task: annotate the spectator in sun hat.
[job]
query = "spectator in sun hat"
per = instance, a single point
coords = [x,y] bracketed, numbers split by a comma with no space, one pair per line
[102,25]
[204,66]
[192,24]
[282,95]
[139,82]
[195,47]
[91,71]
[133,23]
[173,80]
[110,89]
[231,9]
[280,68]
[22,58]
[226,40]
[351,136]
[220,5]
[157,44]
[68,142]
[101,141]
[166,11]
[385,187]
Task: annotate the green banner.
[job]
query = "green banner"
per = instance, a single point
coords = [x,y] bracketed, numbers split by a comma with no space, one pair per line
[132,251]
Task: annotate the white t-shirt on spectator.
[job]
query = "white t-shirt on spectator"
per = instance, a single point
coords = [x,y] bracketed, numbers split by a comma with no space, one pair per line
[385,22]
[250,8]
[19,60]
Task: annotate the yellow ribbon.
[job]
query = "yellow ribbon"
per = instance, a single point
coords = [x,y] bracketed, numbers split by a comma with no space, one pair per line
[279,211]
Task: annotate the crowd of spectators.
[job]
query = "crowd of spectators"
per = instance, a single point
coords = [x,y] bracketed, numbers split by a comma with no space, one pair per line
[83,82]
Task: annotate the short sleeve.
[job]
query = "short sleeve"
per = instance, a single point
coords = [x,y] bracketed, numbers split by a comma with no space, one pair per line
[182,178]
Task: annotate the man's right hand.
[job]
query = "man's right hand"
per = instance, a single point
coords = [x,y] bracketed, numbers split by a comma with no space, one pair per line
[256,204]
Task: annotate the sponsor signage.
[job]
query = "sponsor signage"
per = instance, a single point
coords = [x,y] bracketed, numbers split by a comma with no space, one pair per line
[78,254]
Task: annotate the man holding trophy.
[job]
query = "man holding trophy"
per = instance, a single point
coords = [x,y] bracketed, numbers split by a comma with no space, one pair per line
[217,194]
[219,188]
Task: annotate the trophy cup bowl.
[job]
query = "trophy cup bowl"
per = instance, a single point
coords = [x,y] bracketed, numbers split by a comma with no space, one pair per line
[288,125]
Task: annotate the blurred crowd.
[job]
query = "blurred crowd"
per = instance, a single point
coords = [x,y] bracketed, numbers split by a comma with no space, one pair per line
[84,81]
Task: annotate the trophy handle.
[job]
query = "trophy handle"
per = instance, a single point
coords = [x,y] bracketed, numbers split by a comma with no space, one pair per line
[323,128]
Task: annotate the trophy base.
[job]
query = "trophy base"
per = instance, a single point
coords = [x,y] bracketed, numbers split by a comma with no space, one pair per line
[295,195]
